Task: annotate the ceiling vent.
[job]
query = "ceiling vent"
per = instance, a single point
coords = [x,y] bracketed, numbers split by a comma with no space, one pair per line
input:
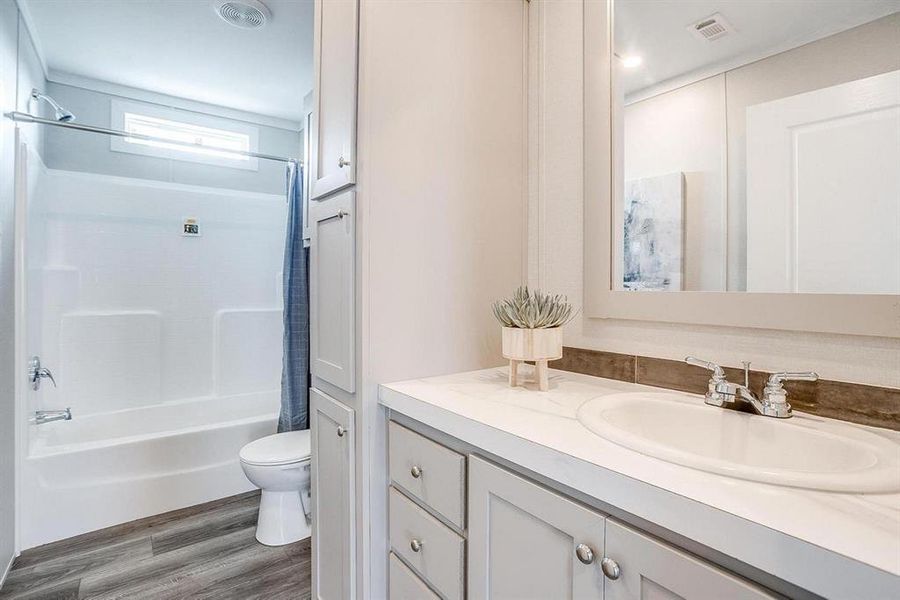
[711,28]
[246,14]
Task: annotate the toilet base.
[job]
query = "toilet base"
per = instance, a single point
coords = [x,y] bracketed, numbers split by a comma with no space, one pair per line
[281,519]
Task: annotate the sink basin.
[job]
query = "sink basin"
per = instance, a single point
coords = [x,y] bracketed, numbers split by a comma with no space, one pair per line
[798,452]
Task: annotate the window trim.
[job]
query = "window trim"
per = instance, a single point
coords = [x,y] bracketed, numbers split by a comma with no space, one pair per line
[118,108]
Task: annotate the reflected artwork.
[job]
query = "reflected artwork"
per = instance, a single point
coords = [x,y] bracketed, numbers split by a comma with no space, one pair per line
[653,247]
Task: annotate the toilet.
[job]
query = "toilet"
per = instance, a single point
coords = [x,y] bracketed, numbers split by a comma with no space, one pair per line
[279,465]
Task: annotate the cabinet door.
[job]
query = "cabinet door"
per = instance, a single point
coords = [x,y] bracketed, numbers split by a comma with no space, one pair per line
[332,299]
[650,569]
[333,163]
[523,539]
[333,526]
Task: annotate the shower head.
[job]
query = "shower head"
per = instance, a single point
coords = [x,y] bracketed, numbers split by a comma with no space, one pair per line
[60,114]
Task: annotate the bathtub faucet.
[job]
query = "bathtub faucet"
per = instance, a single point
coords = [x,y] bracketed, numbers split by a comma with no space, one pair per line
[46,416]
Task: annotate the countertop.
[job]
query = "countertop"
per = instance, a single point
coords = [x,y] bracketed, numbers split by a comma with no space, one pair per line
[833,544]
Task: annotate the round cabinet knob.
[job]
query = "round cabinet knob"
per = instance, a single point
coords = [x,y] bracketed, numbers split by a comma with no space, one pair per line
[416,472]
[415,545]
[584,553]
[342,163]
[341,431]
[610,567]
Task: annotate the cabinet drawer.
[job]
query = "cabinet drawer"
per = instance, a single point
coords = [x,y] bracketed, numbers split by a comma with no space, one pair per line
[439,559]
[405,585]
[432,473]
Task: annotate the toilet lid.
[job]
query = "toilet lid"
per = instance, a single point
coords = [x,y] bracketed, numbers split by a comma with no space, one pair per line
[278,449]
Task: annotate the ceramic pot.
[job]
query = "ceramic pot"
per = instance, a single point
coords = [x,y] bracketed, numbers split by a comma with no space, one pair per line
[538,345]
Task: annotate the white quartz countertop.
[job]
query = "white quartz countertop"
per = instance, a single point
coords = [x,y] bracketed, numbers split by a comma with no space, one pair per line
[833,544]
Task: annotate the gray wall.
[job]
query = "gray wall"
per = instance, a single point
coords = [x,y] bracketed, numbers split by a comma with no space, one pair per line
[20,70]
[79,151]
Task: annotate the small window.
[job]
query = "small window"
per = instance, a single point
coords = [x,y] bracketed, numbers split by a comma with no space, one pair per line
[220,139]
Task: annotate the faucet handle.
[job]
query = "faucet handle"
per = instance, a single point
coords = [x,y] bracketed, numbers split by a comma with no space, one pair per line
[775,396]
[775,379]
[717,373]
[716,395]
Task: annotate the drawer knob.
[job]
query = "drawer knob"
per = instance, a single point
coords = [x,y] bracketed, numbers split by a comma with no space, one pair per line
[610,568]
[584,553]
[415,545]
[416,471]
[341,431]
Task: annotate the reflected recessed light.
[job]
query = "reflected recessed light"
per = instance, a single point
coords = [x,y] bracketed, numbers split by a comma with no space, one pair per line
[630,62]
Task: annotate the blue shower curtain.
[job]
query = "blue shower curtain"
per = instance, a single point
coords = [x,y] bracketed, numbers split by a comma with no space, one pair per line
[295,362]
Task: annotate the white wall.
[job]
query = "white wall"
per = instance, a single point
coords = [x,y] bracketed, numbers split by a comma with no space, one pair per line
[557,243]
[79,151]
[440,203]
[132,313]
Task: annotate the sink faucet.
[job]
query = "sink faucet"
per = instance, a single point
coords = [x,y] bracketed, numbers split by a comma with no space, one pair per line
[774,401]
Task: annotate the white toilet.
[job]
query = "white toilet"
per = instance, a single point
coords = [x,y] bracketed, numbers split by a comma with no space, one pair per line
[279,465]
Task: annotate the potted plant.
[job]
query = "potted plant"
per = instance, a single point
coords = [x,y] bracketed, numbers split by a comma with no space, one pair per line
[532,330]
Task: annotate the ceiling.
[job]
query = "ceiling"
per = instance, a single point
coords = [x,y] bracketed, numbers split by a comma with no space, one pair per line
[182,48]
[656,30]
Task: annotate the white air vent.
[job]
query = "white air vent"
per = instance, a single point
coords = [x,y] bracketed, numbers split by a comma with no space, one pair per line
[711,28]
[246,14]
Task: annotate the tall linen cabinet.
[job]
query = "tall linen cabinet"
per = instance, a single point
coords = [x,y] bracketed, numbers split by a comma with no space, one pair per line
[417,196]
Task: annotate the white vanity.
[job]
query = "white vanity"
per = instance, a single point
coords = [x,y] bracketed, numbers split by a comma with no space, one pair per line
[499,492]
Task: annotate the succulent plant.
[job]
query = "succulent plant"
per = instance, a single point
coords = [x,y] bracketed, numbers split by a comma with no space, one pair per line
[533,310]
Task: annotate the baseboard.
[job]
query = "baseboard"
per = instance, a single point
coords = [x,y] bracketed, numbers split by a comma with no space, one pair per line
[7,570]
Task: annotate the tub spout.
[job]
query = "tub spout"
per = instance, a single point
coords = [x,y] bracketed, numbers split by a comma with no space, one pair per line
[46,416]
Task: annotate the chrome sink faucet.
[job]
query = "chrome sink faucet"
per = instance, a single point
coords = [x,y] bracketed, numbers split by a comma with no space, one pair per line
[774,401]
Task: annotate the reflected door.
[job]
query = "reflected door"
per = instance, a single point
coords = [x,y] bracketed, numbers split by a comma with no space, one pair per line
[823,190]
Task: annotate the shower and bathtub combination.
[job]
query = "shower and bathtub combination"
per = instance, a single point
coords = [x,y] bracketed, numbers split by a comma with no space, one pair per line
[155,311]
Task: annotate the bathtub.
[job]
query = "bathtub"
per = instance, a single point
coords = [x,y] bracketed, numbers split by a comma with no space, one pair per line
[109,468]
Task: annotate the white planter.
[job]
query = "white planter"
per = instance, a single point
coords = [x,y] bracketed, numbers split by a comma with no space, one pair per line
[538,345]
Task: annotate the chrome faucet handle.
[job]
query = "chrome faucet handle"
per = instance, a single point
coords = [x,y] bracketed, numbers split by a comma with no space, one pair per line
[713,394]
[717,371]
[775,396]
[36,372]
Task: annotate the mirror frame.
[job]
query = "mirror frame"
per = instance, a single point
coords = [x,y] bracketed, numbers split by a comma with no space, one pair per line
[861,314]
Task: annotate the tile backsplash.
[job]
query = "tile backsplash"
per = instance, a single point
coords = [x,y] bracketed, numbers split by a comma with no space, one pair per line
[857,403]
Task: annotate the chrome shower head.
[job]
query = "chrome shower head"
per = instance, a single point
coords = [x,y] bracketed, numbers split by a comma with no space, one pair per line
[59,113]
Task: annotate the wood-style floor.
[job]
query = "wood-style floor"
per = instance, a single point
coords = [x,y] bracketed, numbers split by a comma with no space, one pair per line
[205,551]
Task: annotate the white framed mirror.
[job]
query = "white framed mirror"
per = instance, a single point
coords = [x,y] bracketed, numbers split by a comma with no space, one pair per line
[742,163]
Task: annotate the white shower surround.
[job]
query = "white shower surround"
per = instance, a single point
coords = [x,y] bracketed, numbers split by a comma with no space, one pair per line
[168,349]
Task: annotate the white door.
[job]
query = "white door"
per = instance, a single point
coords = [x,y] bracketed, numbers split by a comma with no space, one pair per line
[333,527]
[650,569]
[823,190]
[523,540]
[332,300]
[333,160]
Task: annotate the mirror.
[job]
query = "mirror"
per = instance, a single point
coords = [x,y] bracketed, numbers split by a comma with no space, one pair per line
[757,146]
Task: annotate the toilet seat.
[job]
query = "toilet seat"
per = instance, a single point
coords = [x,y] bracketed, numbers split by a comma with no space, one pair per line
[278,449]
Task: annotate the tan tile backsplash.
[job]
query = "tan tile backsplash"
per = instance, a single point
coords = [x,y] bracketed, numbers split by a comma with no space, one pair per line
[857,403]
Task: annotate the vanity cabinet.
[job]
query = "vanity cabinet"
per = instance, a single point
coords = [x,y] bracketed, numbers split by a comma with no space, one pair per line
[528,541]
[333,472]
[332,268]
[523,537]
[333,152]
[649,568]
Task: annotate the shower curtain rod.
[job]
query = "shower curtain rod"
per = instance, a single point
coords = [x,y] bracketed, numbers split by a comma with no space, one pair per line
[21,117]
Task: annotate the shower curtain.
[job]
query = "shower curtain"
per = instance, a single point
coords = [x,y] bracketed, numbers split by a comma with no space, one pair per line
[295,361]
